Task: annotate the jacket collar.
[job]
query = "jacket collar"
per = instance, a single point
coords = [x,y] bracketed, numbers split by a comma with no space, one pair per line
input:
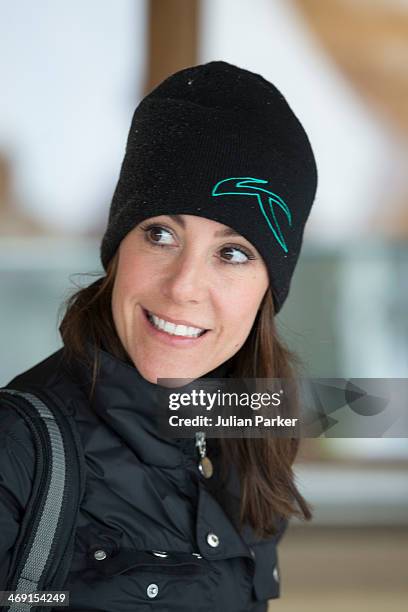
[126,401]
[129,405]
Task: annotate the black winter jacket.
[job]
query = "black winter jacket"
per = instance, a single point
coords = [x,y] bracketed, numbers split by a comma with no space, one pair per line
[147,513]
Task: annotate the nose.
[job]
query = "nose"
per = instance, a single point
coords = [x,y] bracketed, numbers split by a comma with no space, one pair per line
[186,279]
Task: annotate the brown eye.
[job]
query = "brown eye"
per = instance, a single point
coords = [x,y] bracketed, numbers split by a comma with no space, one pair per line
[234,255]
[158,235]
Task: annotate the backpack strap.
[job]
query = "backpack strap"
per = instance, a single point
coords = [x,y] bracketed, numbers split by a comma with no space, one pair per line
[43,552]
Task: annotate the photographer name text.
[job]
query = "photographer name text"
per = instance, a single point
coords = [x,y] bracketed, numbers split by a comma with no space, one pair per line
[231,421]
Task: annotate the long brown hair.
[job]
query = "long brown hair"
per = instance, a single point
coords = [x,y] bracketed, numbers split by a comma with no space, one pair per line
[268,490]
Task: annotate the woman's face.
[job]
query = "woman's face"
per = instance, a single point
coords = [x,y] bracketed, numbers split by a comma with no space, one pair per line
[178,275]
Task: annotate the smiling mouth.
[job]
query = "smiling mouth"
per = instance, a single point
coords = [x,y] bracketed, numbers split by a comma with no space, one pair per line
[173,329]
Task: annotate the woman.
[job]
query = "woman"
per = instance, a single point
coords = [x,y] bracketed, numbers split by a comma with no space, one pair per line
[204,232]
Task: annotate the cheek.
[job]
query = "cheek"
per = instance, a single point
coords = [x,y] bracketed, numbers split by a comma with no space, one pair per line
[239,312]
[240,307]
[133,279]
[118,306]
[126,290]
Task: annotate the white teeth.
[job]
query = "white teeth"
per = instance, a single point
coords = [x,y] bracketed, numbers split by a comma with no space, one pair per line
[175,330]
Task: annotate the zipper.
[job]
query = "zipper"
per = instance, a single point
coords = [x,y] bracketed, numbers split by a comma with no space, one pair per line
[205,466]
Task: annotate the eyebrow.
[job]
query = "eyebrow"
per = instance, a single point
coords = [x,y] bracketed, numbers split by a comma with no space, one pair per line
[221,233]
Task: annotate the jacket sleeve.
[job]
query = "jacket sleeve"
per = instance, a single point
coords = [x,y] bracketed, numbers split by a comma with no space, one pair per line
[17,464]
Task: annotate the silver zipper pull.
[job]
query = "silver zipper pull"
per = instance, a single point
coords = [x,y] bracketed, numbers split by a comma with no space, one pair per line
[204,465]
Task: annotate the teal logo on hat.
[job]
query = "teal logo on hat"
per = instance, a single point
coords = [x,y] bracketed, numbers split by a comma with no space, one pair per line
[267,201]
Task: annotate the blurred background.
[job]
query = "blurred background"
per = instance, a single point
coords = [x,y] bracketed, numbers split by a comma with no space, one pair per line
[71,75]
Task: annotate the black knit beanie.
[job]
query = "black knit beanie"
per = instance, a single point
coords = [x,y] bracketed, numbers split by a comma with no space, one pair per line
[219,142]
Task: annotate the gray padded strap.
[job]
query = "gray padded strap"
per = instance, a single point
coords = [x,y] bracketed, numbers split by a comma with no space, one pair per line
[44,536]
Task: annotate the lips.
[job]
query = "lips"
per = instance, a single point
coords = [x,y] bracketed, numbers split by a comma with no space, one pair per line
[175,321]
[172,340]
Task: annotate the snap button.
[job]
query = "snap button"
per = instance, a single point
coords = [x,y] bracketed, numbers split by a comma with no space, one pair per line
[152,590]
[100,555]
[276,573]
[213,540]
[160,553]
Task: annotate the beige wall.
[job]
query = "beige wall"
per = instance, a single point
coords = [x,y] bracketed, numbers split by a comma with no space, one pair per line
[343,570]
